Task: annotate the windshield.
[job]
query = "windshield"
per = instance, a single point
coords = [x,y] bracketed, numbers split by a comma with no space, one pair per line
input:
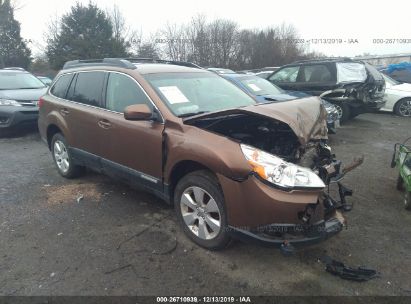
[188,94]
[259,86]
[389,80]
[18,80]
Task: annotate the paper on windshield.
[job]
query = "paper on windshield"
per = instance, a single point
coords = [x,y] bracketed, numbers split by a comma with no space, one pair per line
[173,94]
[253,87]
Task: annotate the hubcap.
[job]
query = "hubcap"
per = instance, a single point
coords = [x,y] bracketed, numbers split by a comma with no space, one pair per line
[200,213]
[61,156]
[405,108]
[339,111]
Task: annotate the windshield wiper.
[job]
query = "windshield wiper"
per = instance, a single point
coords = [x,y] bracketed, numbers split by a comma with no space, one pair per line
[193,113]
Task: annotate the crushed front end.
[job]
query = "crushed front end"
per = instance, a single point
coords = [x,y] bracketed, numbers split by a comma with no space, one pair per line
[283,190]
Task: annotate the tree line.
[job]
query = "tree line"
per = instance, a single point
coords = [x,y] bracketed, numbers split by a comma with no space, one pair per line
[87,32]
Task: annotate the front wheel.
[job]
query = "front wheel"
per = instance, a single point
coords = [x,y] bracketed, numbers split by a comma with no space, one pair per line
[200,208]
[344,111]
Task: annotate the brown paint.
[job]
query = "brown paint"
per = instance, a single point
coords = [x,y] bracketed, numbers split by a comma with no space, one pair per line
[139,146]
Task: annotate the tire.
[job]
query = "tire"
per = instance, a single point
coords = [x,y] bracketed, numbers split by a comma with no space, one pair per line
[344,111]
[200,207]
[63,159]
[400,183]
[403,107]
[407,200]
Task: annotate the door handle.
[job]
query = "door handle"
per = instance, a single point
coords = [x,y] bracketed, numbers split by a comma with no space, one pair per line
[64,111]
[105,124]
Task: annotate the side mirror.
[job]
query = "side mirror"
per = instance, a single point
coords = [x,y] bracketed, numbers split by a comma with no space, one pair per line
[138,112]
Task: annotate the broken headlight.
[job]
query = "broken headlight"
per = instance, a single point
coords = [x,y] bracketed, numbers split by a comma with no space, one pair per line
[279,172]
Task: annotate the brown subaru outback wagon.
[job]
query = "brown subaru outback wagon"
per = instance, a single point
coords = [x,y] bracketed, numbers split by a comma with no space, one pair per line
[233,168]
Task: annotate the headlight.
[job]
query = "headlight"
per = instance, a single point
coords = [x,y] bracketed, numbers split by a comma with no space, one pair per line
[9,102]
[279,172]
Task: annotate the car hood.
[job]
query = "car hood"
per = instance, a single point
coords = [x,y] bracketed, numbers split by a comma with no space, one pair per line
[306,117]
[406,87]
[24,94]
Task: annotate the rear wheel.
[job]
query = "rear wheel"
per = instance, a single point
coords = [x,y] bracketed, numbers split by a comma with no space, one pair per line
[344,111]
[200,208]
[403,107]
[407,200]
[63,159]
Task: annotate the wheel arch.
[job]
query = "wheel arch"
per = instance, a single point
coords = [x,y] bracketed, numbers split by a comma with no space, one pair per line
[52,130]
[181,169]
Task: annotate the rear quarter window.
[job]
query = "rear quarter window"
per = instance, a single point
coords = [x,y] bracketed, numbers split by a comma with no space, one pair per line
[59,89]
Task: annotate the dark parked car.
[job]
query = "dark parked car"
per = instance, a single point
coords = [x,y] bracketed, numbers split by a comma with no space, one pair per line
[354,87]
[265,91]
[400,72]
[20,92]
[232,167]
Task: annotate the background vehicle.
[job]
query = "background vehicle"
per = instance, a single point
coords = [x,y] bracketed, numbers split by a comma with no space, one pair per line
[231,167]
[400,72]
[19,94]
[353,87]
[47,81]
[397,97]
[264,91]
[402,160]
[220,70]
[264,74]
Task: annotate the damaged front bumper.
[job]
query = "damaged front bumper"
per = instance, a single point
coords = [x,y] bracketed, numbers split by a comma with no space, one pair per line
[269,216]
[299,235]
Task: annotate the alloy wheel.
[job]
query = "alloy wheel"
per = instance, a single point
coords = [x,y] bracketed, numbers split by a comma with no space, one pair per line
[339,111]
[200,213]
[61,156]
[404,109]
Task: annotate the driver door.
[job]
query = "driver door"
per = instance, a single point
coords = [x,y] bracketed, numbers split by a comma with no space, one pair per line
[132,150]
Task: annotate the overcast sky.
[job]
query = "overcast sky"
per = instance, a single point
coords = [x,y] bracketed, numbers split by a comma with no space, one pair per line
[316,19]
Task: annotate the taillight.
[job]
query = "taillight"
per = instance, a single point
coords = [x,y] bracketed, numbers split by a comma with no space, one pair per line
[40,103]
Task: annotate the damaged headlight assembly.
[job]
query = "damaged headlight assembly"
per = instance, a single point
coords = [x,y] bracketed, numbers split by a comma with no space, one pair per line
[9,102]
[279,172]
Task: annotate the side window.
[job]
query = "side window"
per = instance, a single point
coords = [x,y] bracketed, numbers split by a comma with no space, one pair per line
[89,88]
[316,73]
[59,89]
[122,91]
[285,75]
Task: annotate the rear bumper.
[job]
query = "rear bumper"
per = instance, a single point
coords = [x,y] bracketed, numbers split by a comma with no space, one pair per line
[299,235]
[11,116]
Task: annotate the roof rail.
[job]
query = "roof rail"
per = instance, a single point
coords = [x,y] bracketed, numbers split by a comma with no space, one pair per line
[127,63]
[324,59]
[153,60]
[118,62]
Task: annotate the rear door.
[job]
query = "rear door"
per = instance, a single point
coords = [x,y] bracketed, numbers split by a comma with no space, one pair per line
[131,149]
[85,97]
[314,79]
[286,78]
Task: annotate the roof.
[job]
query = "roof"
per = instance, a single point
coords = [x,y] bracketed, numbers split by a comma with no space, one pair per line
[18,70]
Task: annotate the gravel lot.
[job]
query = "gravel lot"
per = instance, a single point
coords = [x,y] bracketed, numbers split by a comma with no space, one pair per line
[119,241]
